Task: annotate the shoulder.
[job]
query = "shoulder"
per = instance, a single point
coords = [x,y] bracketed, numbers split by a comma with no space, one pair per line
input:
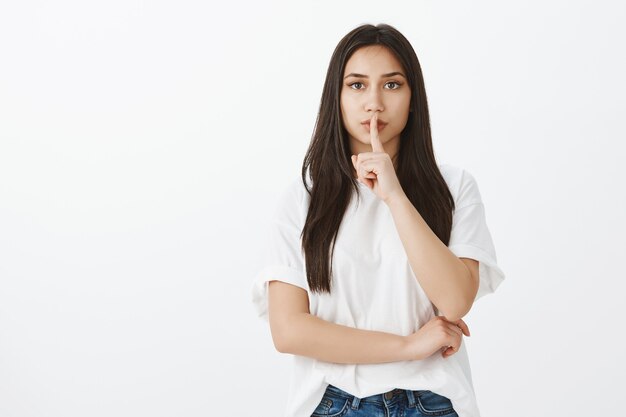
[462,185]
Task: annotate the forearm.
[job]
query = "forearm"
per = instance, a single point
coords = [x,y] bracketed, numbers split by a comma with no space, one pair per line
[443,276]
[314,337]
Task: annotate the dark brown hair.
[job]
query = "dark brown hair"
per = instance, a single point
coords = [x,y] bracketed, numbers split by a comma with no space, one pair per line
[329,165]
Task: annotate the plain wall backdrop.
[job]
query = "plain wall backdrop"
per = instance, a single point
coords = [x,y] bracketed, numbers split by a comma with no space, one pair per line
[143,146]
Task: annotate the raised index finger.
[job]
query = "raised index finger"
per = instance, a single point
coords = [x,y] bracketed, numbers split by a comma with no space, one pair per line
[377,145]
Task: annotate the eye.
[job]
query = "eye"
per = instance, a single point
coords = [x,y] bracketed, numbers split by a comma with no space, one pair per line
[396,83]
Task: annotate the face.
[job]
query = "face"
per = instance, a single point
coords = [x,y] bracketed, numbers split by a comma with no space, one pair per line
[374,81]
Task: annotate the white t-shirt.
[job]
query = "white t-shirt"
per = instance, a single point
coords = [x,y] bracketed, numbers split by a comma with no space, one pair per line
[374,288]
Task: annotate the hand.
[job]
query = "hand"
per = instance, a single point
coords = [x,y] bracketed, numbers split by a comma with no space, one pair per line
[437,334]
[375,169]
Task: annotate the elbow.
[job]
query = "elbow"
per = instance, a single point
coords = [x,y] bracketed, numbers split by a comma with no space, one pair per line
[281,344]
[457,311]
[280,348]
[453,318]
[283,334]
[462,305]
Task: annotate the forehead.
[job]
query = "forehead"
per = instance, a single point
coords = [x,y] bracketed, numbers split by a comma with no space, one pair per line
[372,60]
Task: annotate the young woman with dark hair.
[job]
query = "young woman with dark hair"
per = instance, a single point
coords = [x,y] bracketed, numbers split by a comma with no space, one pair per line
[377,252]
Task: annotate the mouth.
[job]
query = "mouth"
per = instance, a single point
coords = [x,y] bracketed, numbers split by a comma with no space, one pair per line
[381,125]
[380,121]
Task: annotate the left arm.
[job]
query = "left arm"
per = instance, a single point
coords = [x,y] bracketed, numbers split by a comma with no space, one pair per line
[451,283]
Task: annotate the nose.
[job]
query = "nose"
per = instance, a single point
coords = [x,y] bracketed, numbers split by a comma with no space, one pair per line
[373,101]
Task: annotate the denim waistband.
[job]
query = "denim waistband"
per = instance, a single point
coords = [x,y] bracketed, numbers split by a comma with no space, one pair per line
[388,397]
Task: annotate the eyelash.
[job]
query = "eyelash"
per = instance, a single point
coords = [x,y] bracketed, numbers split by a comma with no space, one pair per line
[394,82]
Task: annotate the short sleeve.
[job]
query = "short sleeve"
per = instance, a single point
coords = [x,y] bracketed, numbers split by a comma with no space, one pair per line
[470,236]
[283,258]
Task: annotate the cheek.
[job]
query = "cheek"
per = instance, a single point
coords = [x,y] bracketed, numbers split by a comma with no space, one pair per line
[402,107]
[344,117]
[407,102]
[343,106]
[347,112]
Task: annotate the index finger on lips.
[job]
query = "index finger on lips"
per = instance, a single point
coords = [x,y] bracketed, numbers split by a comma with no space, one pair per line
[377,145]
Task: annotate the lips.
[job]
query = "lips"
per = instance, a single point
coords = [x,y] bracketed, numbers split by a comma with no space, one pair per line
[380,124]
[380,127]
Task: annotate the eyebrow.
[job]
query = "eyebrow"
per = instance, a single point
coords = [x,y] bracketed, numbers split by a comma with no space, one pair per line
[391,74]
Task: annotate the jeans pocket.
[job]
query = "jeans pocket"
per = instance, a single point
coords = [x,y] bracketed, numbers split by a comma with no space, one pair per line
[331,406]
[433,404]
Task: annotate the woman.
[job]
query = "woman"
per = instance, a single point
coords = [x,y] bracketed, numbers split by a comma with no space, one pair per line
[371,244]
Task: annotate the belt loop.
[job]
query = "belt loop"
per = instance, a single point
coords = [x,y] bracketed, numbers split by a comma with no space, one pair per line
[355,402]
[411,398]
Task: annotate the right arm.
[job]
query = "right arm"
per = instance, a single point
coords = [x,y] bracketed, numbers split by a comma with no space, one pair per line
[296,331]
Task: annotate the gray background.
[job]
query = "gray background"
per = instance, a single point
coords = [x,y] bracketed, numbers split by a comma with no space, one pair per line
[143,145]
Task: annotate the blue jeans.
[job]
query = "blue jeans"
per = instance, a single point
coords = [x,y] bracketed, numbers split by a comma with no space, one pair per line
[395,403]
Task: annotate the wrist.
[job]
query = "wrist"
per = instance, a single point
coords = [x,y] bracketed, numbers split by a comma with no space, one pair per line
[408,351]
[396,200]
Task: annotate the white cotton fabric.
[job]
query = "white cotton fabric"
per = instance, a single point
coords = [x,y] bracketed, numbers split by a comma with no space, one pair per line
[374,288]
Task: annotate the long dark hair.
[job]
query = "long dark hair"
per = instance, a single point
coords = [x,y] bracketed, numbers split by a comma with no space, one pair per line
[330,167]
